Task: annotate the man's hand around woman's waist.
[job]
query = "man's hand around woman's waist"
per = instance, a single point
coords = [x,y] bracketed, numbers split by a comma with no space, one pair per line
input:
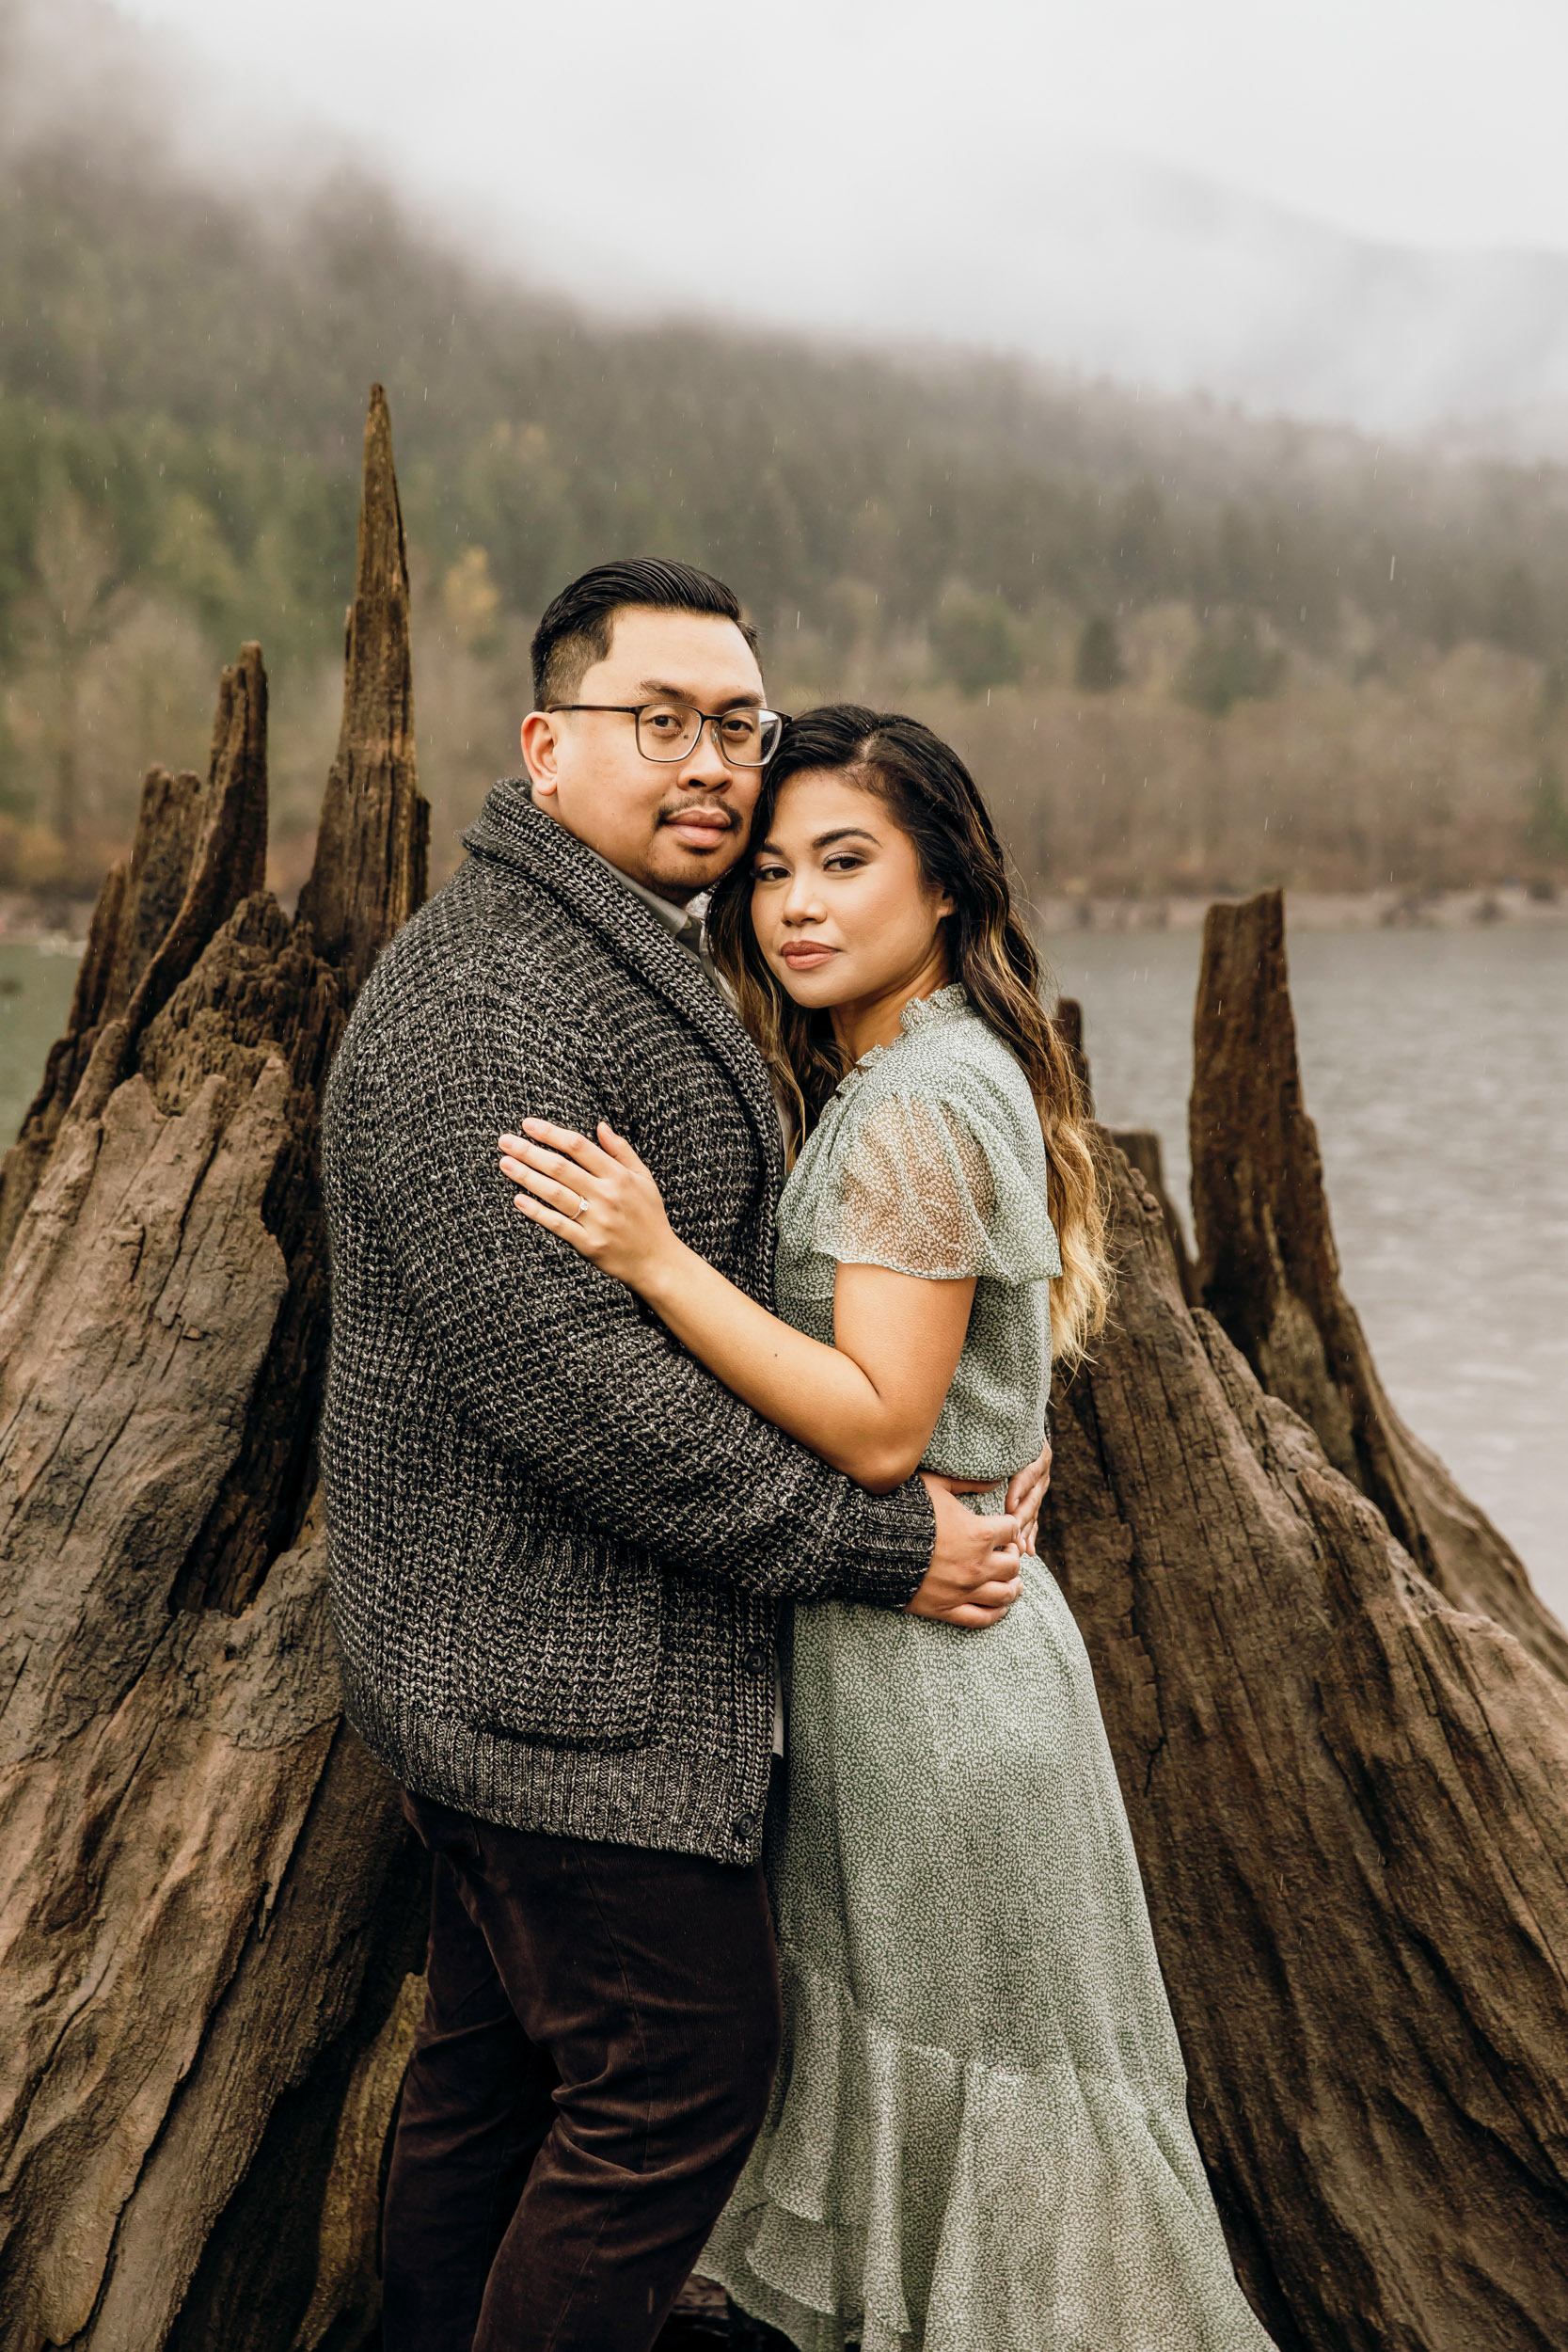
[985,1603]
[1024,1498]
[973,1576]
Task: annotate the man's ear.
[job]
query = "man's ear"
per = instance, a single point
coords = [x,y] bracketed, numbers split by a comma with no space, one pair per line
[540,745]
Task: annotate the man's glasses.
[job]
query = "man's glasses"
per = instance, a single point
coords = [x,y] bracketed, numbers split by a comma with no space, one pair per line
[744,737]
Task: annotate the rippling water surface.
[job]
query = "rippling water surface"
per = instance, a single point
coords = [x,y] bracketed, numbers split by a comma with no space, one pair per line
[1436,1068]
[1435,1064]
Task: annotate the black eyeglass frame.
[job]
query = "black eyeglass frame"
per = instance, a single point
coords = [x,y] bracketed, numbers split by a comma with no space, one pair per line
[714,719]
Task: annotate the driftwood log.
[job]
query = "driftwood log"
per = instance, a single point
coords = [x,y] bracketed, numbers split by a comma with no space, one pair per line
[1270,1274]
[209,1909]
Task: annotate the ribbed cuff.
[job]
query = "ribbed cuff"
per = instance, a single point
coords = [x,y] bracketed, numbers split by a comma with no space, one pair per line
[883,1553]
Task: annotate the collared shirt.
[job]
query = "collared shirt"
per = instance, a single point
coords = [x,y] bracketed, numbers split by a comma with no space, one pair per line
[684,924]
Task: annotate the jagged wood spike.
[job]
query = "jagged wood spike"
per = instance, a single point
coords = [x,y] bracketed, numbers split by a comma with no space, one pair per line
[162,857]
[1142,1150]
[200,848]
[371,849]
[1349,1805]
[229,857]
[1270,1273]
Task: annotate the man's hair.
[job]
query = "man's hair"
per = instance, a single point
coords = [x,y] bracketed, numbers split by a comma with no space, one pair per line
[578,626]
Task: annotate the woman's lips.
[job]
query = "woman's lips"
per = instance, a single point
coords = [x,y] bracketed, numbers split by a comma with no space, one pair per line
[804,955]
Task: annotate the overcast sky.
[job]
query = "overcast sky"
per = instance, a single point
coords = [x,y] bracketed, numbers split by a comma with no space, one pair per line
[1309,209]
[1437,122]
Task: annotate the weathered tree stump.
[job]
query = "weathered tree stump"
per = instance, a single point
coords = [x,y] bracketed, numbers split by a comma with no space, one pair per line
[1270,1274]
[1349,1805]
[209,1906]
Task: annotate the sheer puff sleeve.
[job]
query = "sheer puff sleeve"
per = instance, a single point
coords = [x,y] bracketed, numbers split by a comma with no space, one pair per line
[934,1188]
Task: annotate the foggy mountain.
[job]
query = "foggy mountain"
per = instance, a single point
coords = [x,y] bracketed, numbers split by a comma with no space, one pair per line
[1099,265]
[1114,268]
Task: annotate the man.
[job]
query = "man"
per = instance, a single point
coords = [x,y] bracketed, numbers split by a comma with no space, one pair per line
[559,1546]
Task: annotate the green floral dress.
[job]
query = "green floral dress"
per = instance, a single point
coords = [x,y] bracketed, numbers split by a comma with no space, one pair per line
[978,2137]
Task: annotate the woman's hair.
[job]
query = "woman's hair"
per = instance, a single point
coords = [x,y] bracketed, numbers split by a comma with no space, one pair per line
[934,797]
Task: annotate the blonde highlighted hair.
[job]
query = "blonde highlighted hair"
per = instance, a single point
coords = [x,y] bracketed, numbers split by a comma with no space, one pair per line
[934,798]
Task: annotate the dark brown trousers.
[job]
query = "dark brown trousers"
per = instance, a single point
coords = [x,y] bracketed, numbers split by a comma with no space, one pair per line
[594,2063]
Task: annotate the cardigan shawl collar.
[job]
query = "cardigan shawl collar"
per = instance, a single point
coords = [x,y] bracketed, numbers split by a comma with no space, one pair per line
[514,833]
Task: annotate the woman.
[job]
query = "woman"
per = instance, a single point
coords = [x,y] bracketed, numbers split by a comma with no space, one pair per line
[978,2138]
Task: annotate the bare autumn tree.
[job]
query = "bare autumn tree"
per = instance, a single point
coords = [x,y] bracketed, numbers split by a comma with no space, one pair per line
[74,560]
[211,1909]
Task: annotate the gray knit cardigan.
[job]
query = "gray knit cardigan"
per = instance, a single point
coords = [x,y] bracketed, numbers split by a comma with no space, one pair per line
[557,1544]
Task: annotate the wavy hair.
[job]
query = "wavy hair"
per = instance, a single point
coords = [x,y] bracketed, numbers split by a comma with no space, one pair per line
[934,798]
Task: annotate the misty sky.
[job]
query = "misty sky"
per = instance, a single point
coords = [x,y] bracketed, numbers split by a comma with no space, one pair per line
[1167,191]
[1437,122]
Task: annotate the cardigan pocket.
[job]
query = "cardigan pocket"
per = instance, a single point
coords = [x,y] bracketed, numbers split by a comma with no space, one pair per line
[562,1635]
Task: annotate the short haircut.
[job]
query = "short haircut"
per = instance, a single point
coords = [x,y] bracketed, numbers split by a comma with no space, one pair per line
[579,625]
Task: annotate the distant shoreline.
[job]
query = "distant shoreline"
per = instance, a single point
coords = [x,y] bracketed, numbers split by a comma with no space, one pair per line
[58,926]
[1313,910]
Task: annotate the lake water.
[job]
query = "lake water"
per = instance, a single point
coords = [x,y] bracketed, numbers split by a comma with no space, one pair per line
[34,997]
[1437,1067]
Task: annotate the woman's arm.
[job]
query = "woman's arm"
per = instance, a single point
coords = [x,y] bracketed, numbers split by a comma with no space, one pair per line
[867,1405]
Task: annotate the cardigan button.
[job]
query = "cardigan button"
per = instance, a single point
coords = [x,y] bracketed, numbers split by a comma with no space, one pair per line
[755,1662]
[742,1826]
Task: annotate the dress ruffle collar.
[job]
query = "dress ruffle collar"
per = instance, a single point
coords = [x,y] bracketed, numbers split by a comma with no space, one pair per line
[921,1012]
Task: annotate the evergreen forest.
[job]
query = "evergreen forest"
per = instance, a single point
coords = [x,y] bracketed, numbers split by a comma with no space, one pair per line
[1186,650]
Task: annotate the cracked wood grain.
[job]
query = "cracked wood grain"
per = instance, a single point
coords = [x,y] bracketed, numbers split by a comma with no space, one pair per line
[1349,1802]
[210,1907]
